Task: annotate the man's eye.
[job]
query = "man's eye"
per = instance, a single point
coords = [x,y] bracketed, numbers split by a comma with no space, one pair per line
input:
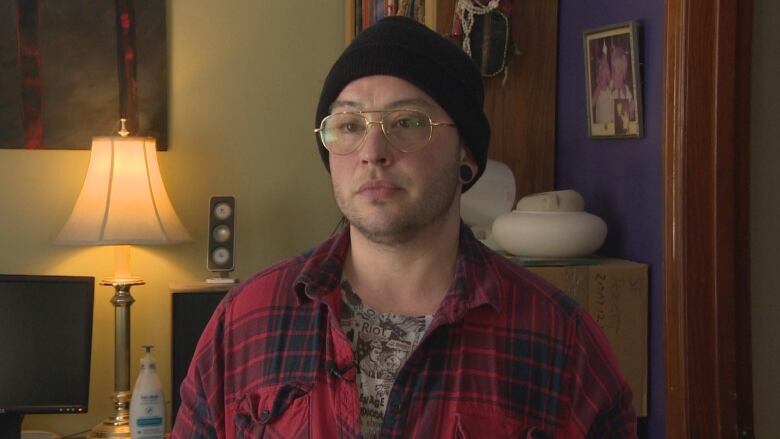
[409,123]
[351,127]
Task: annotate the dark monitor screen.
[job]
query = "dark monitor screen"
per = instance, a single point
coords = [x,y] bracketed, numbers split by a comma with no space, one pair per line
[45,343]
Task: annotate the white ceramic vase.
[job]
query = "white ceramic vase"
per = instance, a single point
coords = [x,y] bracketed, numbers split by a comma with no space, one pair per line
[550,225]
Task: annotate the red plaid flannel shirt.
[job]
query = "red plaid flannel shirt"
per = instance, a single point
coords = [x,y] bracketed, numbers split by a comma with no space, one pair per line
[506,355]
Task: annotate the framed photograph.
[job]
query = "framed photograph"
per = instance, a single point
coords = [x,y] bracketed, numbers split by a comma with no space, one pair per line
[612,81]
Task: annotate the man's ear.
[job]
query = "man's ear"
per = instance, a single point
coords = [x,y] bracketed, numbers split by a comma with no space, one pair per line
[463,149]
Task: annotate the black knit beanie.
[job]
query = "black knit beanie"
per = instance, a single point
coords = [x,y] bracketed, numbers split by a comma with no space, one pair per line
[402,47]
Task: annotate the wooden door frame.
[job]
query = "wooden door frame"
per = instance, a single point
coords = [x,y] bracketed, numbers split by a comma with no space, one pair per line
[706,240]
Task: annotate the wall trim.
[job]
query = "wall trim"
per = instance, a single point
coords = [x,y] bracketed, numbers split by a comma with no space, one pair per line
[706,176]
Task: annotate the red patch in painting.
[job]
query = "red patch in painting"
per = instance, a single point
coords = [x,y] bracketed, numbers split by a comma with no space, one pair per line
[124,19]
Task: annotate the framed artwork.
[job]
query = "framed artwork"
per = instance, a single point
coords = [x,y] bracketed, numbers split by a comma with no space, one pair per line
[70,69]
[612,81]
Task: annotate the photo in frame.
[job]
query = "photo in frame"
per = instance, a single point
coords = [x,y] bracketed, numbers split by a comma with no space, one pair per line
[612,81]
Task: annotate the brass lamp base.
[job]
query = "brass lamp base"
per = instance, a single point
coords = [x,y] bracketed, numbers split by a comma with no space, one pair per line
[110,428]
[118,424]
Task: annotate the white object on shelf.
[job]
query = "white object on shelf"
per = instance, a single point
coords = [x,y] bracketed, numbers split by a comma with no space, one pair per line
[550,225]
[555,201]
[492,195]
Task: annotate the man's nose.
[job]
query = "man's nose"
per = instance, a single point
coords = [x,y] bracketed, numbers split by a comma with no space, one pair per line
[376,148]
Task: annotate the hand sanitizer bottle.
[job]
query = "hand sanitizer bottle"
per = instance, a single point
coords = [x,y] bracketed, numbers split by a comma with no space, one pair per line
[147,406]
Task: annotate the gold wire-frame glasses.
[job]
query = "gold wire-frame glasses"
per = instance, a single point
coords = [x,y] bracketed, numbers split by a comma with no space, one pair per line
[407,130]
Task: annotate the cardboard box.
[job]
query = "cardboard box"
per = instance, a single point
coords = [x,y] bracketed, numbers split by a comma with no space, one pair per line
[614,291]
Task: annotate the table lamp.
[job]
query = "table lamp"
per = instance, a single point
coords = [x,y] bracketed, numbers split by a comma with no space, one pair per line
[123,202]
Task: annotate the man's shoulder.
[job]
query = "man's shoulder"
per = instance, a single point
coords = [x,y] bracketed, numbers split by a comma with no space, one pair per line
[280,274]
[524,296]
[525,291]
[271,285]
[282,283]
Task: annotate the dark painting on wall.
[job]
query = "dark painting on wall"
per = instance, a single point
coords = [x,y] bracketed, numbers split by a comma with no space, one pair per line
[63,79]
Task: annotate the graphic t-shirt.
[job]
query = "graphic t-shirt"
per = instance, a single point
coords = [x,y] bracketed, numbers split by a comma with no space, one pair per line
[381,342]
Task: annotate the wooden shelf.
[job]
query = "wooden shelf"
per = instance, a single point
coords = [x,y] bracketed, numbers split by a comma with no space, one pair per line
[431,16]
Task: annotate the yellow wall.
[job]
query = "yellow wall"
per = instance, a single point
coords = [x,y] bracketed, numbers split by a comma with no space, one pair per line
[244,81]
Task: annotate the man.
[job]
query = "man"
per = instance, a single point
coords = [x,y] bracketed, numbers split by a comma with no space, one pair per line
[461,342]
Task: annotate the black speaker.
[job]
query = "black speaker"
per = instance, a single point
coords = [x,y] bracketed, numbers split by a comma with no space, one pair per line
[192,308]
[222,234]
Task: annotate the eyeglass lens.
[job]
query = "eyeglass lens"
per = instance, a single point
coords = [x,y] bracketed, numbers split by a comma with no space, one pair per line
[407,130]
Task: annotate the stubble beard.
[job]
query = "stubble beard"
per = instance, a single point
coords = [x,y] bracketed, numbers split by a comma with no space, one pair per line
[409,221]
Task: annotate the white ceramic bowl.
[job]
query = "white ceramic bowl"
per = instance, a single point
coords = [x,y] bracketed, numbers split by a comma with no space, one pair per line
[549,234]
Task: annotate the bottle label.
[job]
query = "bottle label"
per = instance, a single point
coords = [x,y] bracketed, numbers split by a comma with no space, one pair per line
[148,422]
[147,416]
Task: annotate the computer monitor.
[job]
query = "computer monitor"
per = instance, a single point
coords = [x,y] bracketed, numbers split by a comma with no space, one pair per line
[45,346]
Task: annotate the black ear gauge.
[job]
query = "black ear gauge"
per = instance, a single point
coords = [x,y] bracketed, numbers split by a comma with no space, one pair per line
[466,175]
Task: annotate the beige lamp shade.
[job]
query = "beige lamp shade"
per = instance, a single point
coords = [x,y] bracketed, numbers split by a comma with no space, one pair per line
[123,200]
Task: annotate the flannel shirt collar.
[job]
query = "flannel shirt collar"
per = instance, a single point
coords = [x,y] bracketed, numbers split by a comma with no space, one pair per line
[473,282]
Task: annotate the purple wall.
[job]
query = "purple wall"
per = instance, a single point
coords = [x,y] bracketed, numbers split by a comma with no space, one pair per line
[619,179]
